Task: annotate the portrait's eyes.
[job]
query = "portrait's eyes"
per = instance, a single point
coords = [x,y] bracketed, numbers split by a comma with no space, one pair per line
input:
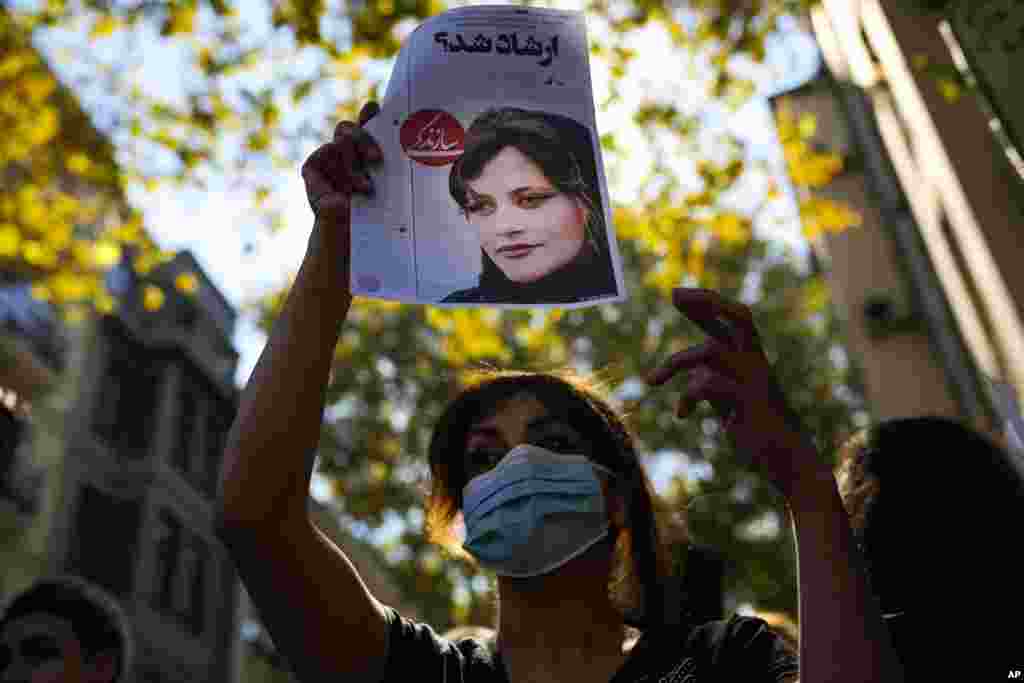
[533,201]
[479,208]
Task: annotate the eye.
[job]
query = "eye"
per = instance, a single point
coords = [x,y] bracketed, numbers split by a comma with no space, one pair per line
[532,201]
[479,208]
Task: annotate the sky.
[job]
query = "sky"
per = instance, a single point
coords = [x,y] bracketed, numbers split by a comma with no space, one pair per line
[215,224]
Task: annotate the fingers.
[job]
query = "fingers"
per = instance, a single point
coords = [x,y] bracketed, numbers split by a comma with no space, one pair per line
[368,149]
[333,168]
[683,360]
[706,385]
[730,322]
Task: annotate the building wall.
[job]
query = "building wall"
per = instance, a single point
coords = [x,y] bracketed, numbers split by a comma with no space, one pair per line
[937,187]
[25,538]
[131,442]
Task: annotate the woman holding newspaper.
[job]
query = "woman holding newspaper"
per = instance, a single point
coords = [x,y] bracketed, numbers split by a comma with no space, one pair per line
[526,181]
[555,502]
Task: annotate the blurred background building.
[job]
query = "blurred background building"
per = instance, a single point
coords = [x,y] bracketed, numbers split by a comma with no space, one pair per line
[930,283]
[111,437]
[110,473]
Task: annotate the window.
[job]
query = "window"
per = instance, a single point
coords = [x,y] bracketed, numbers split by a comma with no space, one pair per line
[221,416]
[189,399]
[126,405]
[104,540]
[182,558]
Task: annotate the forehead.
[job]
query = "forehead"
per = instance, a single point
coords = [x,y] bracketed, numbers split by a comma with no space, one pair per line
[518,410]
[38,624]
[508,168]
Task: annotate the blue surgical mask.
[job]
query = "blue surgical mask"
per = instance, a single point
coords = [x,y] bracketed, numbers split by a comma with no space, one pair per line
[534,511]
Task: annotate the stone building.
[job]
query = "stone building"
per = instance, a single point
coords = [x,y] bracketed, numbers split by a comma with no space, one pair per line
[114,471]
[111,436]
[930,283]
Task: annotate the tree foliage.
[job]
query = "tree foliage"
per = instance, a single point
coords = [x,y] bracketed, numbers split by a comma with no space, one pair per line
[63,219]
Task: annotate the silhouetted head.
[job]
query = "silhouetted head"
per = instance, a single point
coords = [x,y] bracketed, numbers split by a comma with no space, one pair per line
[63,630]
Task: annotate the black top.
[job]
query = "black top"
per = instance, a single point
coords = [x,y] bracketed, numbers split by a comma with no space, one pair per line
[737,650]
[588,276]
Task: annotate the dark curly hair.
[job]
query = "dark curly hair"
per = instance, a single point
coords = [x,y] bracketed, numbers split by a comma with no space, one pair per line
[898,478]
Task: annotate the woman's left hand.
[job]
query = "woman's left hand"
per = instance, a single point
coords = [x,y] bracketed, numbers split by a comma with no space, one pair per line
[731,372]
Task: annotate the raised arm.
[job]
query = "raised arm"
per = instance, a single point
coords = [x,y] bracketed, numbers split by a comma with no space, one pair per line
[842,636]
[317,609]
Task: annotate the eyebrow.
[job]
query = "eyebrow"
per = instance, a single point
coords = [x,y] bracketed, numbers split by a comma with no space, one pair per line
[473,195]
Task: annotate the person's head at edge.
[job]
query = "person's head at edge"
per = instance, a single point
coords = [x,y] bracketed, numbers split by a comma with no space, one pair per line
[63,630]
[520,184]
[900,480]
[585,423]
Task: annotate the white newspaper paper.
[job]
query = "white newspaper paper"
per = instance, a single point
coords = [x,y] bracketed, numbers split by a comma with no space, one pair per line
[492,189]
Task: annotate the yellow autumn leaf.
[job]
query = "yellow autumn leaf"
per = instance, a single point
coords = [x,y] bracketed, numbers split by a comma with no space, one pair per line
[187,283]
[15,62]
[181,20]
[144,263]
[73,315]
[69,286]
[41,292]
[38,86]
[695,262]
[807,125]
[44,126]
[950,90]
[58,235]
[10,240]
[731,228]
[104,303]
[104,26]
[106,254]
[667,274]
[79,163]
[128,233]
[152,298]
[38,254]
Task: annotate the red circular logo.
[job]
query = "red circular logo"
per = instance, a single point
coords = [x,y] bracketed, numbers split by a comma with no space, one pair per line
[432,137]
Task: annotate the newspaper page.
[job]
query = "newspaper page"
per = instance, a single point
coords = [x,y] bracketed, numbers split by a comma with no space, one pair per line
[492,189]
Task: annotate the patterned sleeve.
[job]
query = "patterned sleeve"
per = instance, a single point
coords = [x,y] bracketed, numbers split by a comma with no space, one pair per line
[749,650]
[417,653]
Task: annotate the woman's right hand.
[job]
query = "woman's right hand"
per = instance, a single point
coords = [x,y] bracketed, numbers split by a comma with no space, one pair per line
[332,173]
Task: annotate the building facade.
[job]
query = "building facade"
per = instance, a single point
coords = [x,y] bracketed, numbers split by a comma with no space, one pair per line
[930,282]
[124,451]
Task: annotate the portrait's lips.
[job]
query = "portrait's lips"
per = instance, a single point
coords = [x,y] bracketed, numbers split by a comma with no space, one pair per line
[517,251]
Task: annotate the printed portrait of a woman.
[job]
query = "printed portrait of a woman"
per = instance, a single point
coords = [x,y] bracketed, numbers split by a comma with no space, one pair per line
[527,184]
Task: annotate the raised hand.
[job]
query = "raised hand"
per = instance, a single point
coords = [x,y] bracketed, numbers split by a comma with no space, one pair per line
[731,372]
[333,172]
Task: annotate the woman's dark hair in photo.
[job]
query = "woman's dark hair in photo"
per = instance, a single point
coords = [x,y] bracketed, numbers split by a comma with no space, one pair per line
[562,148]
[639,577]
[94,616]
